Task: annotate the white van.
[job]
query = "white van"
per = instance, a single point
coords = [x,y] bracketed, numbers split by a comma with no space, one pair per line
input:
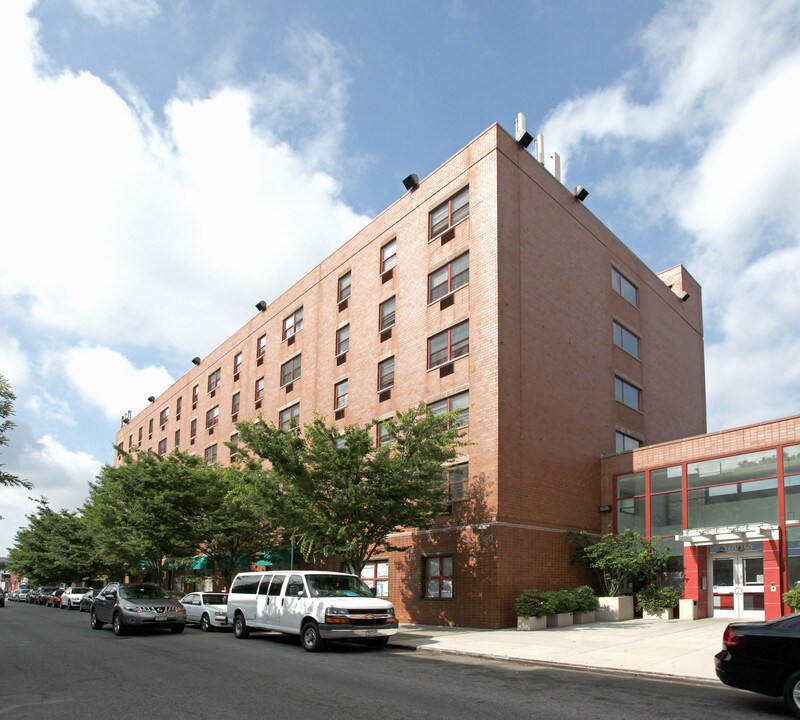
[317,606]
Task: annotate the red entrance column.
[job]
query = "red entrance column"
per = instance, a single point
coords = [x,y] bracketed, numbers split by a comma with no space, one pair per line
[695,581]
[773,608]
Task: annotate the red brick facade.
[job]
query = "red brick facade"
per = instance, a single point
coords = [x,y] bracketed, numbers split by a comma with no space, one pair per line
[540,370]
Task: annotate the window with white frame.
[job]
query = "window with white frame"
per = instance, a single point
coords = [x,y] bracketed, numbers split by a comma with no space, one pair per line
[388,256]
[261,346]
[293,323]
[237,363]
[343,339]
[340,395]
[343,289]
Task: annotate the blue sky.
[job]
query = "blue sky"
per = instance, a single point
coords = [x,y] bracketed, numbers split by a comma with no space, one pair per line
[158,161]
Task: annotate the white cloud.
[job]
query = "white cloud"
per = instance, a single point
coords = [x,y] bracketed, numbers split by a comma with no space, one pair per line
[59,474]
[118,12]
[14,362]
[107,380]
[717,131]
[160,235]
[49,407]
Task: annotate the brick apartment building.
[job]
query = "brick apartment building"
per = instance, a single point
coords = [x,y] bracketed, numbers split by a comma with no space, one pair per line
[488,288]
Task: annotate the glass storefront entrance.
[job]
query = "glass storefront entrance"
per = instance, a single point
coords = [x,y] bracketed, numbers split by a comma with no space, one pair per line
[736,578]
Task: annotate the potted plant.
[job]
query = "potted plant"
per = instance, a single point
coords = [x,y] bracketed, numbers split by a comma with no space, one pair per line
[563,604]
[533,607]
[792,598]
[658,602]
[586,603]
[618,560]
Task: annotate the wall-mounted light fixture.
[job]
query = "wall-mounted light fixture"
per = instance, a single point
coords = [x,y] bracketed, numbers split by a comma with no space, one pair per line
[152,398]
[683,296]
[580,193]
[196,360]
[411,182]
[261,305]
[604,508]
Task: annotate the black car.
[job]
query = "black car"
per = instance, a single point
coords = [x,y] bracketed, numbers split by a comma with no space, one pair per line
[763,657]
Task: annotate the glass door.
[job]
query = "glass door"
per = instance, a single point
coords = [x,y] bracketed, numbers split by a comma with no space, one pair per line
[737,585]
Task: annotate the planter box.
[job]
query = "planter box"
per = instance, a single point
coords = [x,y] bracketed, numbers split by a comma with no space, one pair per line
[660,615]
[559,620]
[531,623]
[687,609]
[582,618]
[614,609]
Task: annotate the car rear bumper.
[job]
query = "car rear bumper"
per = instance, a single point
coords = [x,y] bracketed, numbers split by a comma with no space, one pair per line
[744,676]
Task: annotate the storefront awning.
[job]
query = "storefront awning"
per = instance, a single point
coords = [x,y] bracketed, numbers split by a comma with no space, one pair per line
[277,557]
[728,534]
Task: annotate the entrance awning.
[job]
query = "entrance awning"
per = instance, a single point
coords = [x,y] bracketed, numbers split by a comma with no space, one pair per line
[729,534]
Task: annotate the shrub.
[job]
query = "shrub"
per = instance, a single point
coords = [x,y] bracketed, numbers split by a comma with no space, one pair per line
[656,599]
[792,598]
[585,599]
[534,603]
[564,601]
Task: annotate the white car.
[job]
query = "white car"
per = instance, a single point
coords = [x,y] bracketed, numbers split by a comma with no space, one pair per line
[71,598]
[207,609]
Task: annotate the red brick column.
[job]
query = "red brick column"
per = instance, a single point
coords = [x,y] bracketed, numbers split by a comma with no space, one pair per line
[695,569]
[773,608]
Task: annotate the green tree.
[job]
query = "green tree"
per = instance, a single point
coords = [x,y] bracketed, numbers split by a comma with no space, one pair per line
[340,496]
[232,524]
[146,510]
[54,547]
[619,559]
[7,398]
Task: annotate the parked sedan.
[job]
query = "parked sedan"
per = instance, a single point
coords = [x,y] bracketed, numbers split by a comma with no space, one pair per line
[72,597]
[129,606]
[208,609]
[763,657]
[86,601]
[54,598]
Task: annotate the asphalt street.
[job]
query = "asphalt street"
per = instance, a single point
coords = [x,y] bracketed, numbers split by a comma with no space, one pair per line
[53,666]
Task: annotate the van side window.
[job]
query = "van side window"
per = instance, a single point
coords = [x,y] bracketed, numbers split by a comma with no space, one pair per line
[277,584]
[245,584]
[295,586]
[262,590]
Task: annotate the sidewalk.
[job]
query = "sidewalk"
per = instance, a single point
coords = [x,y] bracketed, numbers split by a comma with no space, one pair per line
[666,649]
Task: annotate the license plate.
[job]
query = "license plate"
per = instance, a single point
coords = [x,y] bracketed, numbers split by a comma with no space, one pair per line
[161,619]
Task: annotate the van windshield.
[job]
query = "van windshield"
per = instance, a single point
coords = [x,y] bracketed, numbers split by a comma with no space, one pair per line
[337,586]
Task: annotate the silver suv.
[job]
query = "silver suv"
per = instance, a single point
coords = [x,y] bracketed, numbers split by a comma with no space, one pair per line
[129,606]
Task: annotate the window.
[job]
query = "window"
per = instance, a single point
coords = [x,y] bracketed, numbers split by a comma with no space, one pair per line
[214,379]
[237,364]
[626,442]
[234,445]
[457,478]
[375,574]
[260,389]
[448,345]
[140,436]
[163,417]
[624,287]
[130,441]
[150,429]
[177,439]
[382,436]
[448,278]
[162,447]
[195,396]
[438,572]
[290,370]
[386,373]
[343,339]
[627,394]
[449,213]
[344,287]
[193,430]
[235,400]
[455,403]
[293,323]
[212,417]
[340,395]
[211,454]
[261,346]
[178,408]
[388,256]
[625,339]
[386,314]
[289,417]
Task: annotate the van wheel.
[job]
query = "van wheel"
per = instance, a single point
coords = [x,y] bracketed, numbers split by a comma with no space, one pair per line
[378,643]
[240,629]
[791,694]
[310,638]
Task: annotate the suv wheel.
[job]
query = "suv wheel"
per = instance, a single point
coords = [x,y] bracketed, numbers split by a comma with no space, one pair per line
[240,629]
[94,622]
[116,622]
[310,638]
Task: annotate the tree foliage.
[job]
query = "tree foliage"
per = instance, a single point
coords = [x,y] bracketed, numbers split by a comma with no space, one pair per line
[338,494]
[7,398]
[619,559]
[54,547]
